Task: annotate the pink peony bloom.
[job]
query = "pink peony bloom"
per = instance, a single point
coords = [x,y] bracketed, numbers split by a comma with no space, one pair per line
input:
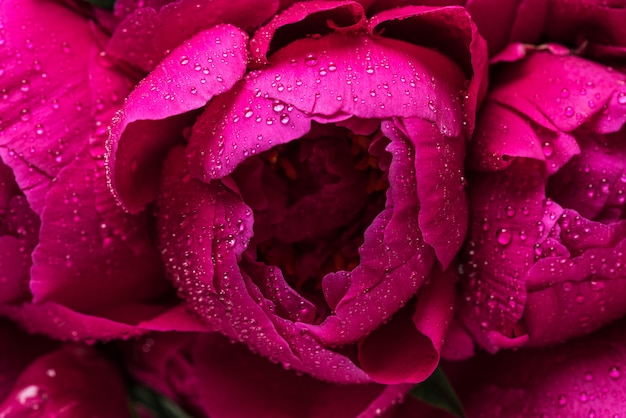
[313,180]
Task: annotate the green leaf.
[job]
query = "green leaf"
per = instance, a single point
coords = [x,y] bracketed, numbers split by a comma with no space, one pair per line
[158,404]
[437,391]
[103,4]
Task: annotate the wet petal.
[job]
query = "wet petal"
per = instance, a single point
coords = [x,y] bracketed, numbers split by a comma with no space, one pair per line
[581,378]
[439,172]
[272,391]
[503,135]
[567,90]
[237,125]
[451,31]
[206,65]
[506,208]
[149,33]
[330,76]
[407,348]
[63,384]
[46,107]
[302,20]
[90,254]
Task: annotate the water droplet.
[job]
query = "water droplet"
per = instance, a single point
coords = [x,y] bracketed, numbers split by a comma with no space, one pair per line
[39,129]
[510,211]
[569,111]
[621,98]
[284,118]
[548,149]
[503,236]
[184,60]
[332,67]
[25,115]
[562,400]
[25,86]
[310,60]
[583,397]
[564,92]
[193,90]
[247,112]
[615,373]
[278,106]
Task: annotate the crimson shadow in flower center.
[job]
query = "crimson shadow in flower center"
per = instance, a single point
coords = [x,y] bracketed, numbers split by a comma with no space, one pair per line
[312,200]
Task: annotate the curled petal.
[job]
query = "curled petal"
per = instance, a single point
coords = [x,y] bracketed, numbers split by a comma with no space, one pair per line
[206,65]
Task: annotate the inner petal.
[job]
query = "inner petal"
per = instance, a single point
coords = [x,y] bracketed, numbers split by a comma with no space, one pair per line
[312,200]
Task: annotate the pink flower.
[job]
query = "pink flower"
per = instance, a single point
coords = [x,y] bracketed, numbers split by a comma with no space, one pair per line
[320,187]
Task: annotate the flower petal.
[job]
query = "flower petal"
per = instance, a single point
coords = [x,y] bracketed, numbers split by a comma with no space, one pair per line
[205,228]
[46,107]
[73,381]
[330,76]
[225,370]
[305,19]
[440,187]
[407,348]
[578,90]
[208,64]
[90,254]
[148,35]
[449,30]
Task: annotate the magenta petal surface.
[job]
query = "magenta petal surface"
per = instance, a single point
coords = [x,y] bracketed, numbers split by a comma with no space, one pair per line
[71,382]
[449,30]
[226,371]
[148,34]
[397,79]
[206,65]
[579,379]
[90,254]
[302,19]
[566,101]
[43,85]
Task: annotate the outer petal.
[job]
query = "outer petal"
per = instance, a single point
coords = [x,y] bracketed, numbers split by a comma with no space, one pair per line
[364,76]
[579,379]
[46,107]
[565,89]
[208,374]
[91,255]
[61,323]
[71,382]
[449,30]
[148,35]
[502,22]
[305,19]
[208,64]
[407,348]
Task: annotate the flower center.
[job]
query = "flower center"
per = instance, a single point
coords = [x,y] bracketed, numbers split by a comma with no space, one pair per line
[312,200]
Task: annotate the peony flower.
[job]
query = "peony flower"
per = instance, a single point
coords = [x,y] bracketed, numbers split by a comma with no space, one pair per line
[39,377]
[545,253]
[313,180]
